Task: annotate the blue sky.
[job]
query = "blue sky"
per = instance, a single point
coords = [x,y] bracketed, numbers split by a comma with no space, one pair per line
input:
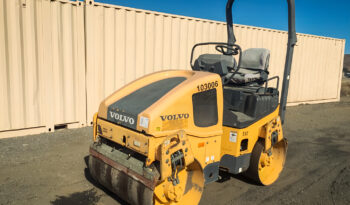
[319,17]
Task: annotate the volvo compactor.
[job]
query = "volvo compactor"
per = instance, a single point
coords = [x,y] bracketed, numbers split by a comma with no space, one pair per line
[161,138]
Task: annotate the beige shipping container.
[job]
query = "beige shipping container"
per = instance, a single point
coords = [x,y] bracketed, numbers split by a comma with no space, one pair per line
[42,66]
[124,44]
[59,59]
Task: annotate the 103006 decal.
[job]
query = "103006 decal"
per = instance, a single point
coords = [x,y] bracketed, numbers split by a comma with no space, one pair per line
[207,86]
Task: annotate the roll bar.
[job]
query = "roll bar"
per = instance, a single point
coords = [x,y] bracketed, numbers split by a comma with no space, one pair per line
[292,39]
[231,39]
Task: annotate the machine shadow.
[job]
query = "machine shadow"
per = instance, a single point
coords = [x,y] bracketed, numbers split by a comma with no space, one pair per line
[87,197]
[225,176]
[99,186]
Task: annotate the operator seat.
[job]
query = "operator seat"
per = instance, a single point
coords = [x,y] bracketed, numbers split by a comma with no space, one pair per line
[245,100]
[253,67]
[215,63]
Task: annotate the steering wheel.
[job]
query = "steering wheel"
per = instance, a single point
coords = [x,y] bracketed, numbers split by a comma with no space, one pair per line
[229,50]
[226,50]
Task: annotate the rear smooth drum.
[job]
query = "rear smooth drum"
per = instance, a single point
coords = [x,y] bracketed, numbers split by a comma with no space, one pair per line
[265,168]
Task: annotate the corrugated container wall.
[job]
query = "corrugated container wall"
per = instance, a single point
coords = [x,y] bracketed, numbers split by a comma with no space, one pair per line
[42,65]
[124,44]
[59,59]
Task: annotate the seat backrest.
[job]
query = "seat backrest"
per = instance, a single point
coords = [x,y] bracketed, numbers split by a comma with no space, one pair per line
[255,59]
[215,63]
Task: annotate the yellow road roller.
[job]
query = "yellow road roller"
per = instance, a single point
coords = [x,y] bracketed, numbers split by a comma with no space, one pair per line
[161,138]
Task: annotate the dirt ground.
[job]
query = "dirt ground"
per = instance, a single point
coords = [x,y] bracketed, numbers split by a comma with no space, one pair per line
[51,168]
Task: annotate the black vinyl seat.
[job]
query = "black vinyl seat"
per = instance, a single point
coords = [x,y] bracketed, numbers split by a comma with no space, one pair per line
[253,67]
[215,63]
